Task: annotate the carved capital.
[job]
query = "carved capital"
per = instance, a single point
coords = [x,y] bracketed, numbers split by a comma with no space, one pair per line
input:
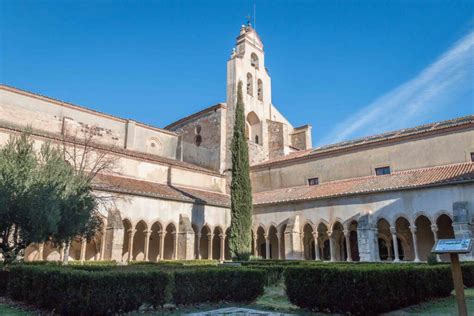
[393,230]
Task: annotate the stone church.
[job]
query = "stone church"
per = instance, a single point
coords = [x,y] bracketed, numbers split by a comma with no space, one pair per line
[386,197]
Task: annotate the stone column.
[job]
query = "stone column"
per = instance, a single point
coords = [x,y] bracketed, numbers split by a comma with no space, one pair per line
[316,246]
[389,256]
[434,229]
[415,243]
[175,245]
[198,246]
[279,246]
[222,240]
[367,239]
[161,237]
[255,252]
[130,244]
[147,243]
[347,235]
[40,251]
[209,246]
[267,246]
[102,243]
[393,231]
[332,248]
[83,249]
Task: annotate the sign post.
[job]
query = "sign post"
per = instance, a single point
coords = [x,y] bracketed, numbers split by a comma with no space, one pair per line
[455,247]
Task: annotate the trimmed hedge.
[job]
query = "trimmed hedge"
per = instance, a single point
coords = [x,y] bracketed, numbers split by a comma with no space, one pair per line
[74,292]
[3,281]
[366,289]
[218,284]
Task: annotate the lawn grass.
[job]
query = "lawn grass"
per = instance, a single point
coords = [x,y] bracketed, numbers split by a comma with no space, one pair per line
[7,310]
[444,306]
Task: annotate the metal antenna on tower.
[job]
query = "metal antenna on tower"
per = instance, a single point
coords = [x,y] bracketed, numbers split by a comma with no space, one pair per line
[254,17]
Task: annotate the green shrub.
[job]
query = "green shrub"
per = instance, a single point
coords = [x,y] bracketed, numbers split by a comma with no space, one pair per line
[74,292]
[217,284]
[432,259]
[3,281]
[365,289]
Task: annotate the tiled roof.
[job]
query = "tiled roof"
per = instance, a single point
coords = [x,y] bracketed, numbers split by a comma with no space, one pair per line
[402,180]
[156,190]
[466,121]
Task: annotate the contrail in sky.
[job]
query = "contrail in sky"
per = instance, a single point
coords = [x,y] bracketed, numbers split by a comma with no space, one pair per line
[452,73]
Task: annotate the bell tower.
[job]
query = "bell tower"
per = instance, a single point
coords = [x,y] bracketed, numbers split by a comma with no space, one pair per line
[247,63]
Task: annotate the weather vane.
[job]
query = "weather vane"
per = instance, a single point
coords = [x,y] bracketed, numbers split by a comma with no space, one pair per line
[248,17]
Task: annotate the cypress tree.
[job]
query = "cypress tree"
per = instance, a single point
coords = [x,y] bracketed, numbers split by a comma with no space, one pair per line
[241,191]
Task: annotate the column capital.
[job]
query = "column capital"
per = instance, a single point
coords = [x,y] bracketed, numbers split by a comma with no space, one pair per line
[329,232]
[161,233]
[434,228]
[131,230]
[222,236]
[393,230]
[316,235]
[413,229]
[198,235]
[148,231]
[346,232]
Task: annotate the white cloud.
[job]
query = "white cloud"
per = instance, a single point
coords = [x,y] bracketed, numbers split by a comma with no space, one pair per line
[451,74]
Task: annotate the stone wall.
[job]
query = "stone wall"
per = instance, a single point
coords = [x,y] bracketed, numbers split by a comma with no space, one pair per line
[276,147]
[201,139]
[427,151]
[23,109]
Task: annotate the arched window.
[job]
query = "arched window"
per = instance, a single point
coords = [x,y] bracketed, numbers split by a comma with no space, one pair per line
[198,137]
[260,90]
[249,84]
[254,127]
[254,60]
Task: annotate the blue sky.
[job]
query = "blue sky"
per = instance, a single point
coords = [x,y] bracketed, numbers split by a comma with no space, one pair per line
[347,68]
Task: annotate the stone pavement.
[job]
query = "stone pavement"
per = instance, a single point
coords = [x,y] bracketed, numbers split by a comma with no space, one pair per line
[237,311]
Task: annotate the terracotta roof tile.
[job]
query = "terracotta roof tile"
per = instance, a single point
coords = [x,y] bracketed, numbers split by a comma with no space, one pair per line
[409,179]
[169,192]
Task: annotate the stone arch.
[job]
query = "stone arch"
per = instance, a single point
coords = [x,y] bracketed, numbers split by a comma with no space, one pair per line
[323,241]
[273,239]
[50,252]
[216,243]
[31,253]
[206,241]
[402,226]
[384,239]
[308,242]
[338,251]
[139,237]
[353,239]
[255,127]
[399,215]
[261,243]
[260,89]
[249,84]
[127,236]
[424,236]
[154,251]
[169,249]
[444,224]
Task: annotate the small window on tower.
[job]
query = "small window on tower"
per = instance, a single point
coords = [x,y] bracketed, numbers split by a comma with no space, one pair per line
[198,137]
[254,60]
[249,84]
[313,181]
[472,156]
[260,90]
[382,171]
[256,139]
